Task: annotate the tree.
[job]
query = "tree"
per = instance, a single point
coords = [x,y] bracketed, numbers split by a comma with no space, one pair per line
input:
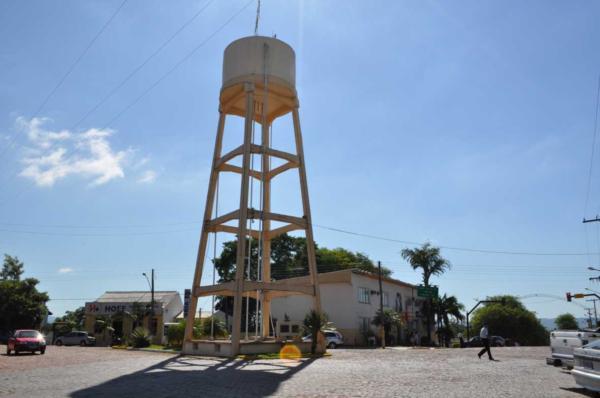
[314,322]
[447,307]
[429,260]
[70,321]
[566,322]
[12,269]
[511,320]
[388,319]
[22,306]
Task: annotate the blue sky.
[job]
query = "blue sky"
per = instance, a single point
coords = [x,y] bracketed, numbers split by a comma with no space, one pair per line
[467,125]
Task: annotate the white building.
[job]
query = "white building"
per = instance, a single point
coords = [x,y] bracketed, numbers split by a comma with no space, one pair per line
[120,308]
[350,298]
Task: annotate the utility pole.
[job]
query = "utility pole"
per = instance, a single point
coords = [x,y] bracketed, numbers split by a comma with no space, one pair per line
[152,295]
[382,328]
[151,284]
[595,311]
[589,312]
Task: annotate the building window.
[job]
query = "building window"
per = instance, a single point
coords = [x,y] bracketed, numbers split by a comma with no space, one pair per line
[386,299]
[364,324]
[284,328]
[364,295]
[398,306]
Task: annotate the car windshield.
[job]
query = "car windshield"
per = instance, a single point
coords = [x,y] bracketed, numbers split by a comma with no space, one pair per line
[594,345]
[27,333]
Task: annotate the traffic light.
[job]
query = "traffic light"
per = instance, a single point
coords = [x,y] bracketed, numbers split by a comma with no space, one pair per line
[569,296]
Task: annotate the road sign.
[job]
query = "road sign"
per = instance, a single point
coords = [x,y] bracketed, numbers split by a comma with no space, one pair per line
[186,301]
[427,291]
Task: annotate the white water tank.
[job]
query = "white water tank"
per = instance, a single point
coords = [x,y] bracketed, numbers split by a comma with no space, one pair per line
[250,58]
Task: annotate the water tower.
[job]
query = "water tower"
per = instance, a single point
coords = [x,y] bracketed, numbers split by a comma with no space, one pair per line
[259,84]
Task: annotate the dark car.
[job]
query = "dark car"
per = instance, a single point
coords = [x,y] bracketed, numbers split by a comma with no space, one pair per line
[495,341]
[26,340]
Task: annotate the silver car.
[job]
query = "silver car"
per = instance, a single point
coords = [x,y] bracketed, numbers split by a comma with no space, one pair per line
[333,337]
[587,366]
[75,338]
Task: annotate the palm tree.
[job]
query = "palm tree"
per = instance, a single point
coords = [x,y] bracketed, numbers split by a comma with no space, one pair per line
[448,306]
[314,322]
[429,260]
[387,320]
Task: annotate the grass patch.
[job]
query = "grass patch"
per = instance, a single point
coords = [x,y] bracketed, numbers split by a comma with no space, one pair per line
[151,347]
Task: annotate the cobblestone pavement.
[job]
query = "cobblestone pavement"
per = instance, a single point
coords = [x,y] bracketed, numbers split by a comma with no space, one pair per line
[102,372]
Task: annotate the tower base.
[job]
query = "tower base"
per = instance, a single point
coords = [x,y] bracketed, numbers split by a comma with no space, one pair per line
[223,348]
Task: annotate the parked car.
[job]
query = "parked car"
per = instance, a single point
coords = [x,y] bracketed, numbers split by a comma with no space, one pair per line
[75,338]
[564,342]
[495,341]
[333,337]
[26,340]
[586,369]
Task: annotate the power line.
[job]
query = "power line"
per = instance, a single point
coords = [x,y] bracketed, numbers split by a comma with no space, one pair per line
[70,226]
[334,229]
[96,234]
[589,182]
[175,67]
[164,76]
[406,242]
[141,65]
[71,299]
[69,71]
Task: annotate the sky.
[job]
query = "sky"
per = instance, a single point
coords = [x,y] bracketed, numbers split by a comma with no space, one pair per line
[470,126]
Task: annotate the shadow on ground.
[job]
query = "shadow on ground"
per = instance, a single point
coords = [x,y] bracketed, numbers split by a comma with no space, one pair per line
[200,377]
[582,391]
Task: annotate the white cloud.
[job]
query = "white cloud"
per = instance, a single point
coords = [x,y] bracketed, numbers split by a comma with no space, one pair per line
[65,270]
[37,135]
[147,177]
[55,155]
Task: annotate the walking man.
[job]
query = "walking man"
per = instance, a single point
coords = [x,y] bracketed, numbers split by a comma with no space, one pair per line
[485,339]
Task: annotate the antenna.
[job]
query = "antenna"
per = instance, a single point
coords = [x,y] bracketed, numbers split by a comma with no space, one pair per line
[257,18]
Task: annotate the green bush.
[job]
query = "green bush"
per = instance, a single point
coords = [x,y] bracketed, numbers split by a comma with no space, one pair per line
[219,328]
[140,338]
[175,334]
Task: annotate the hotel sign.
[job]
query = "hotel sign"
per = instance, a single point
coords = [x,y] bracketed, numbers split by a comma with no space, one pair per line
[96,308]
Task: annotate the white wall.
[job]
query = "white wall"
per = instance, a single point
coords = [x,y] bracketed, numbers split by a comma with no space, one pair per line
[340,302]
[172,309]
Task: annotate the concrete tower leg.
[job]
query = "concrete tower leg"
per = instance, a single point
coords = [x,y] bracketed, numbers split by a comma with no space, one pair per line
[243,224]
[210,198]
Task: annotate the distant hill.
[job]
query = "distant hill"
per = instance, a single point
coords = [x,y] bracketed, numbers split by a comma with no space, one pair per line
[548,323]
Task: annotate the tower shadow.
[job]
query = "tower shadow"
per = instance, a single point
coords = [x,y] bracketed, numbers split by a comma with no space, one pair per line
[206,377]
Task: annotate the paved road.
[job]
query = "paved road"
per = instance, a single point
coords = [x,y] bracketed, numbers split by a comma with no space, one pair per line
[102,372]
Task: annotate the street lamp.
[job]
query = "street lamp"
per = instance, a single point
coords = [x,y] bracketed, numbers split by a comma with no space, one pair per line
[151,285]
[593,269]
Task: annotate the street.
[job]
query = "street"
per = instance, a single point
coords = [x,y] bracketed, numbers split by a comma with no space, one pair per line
[97,372]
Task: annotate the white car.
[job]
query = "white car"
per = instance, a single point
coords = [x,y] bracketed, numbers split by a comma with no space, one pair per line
[75,338]
[333,337]
[586,370]
[564,342]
